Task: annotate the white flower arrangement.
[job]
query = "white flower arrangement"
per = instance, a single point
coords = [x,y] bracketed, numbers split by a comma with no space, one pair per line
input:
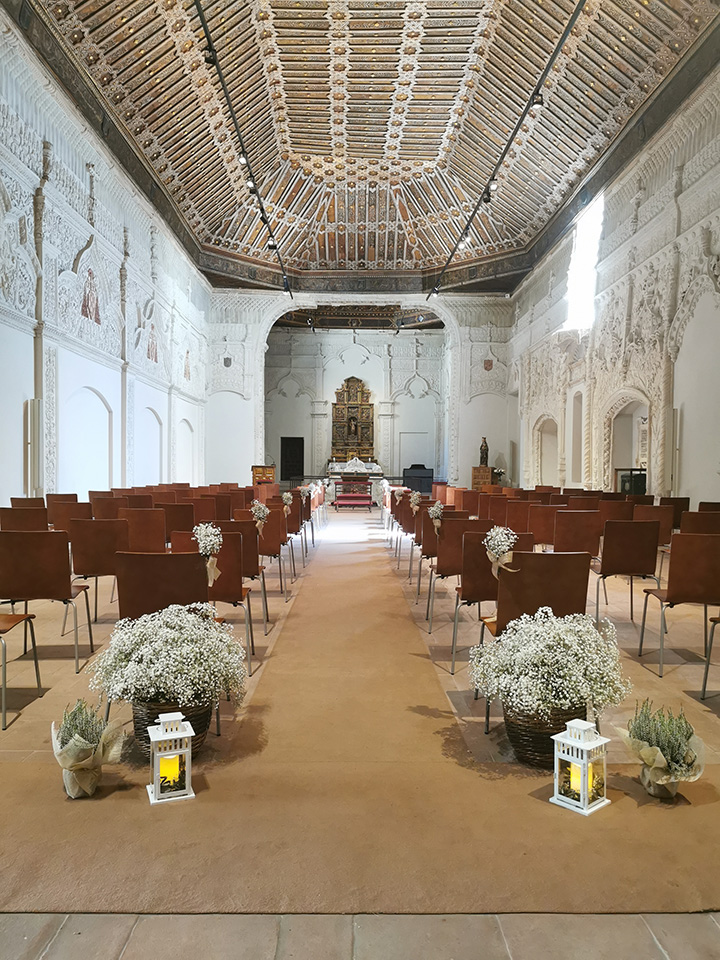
[259,511]
[499,541]
[415,500]
[399,491]
[177,655]
[208,538]
[304,492]
[435,512]
[287,499]
[543,663]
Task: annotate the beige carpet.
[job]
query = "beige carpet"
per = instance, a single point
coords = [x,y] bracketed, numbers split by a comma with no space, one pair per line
[346,786]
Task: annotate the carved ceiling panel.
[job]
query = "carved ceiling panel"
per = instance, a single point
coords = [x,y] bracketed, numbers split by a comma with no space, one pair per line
[372,127]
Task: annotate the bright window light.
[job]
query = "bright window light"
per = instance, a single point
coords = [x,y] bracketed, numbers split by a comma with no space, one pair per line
[582,275]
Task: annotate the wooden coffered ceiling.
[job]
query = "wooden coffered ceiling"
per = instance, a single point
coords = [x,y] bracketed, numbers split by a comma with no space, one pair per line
[371,126]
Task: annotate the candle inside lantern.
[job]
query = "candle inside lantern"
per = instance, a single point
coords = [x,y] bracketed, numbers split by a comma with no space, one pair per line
[576,778]
[170,770]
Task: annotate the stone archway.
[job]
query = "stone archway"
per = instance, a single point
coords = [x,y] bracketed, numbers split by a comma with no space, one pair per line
[543,470]
[617,403]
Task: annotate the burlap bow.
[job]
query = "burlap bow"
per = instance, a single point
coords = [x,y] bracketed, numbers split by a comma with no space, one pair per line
[212,570]
[501,562]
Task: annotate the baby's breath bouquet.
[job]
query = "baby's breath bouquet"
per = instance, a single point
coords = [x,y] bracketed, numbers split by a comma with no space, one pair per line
[209,540]
[287,499]
[178,655]
[499,543]
[399,491]
[304,492]
[415,500]
[260,514]
[544,663]
[435,513]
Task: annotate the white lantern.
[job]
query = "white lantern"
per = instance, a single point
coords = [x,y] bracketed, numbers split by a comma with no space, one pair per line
[580,768]
[171,758]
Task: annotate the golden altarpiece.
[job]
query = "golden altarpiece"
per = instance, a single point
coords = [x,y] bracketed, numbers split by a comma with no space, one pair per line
[353,423]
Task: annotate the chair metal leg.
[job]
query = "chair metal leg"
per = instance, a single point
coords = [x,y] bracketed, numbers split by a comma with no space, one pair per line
[96,599]
[412,555]
[312,531]
[283,579]
[263,591]
[604,580]
[248,618]
[293,568]
[417,594]
[25,628]
[399,554]
[431,600]
[631,599]
[107,711]
[3,655]
[663,631]
[217,718]
[455,630]
[597,602]
[304,532]
[707,662]
[75,628]
[487,715]
[705,630]
[642,628]
[89,622]
[35,657]
[113,591]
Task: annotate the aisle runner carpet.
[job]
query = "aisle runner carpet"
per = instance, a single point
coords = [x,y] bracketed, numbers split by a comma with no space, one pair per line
[347,787]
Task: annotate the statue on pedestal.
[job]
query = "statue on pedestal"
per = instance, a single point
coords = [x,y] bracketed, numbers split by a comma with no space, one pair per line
[484,451]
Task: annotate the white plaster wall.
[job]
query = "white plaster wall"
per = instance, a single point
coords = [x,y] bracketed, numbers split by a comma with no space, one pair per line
[186,464]
[88,424]
[288,416]
[697,399]
[229,438]
[483,416]
[16,388]
[151,435]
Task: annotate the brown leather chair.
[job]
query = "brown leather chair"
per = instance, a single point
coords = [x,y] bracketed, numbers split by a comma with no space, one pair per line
[615,510]
[148,582]
[223,505]
[228,587]
[146,529]
[477,581]
[23,519]
[577,531]
[700,522]
[164,496]
[178,516]
[559,499]
[629,550]
[35,565]
[252,568]
[640,498]
[7,622]
[94,495]
[108,508]
[539,496]
[428,544]
[140,501]
[679,505]
[27,503]
[497,511]
[664,515]
[693,577]
[541,522]
[204,511]
[709,506]
[612,496]
[94,544]
[555,580]
[53,498]
[448,562]
[583,502]
[65,511]
[273,538]
[517,515]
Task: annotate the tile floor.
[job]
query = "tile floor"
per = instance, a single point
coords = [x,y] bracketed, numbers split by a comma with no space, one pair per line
[362,937]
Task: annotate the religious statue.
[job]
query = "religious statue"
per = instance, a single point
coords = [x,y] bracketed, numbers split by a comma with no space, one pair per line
[90,307]
[352,427]
[152,347]
[484,451]
[186,371]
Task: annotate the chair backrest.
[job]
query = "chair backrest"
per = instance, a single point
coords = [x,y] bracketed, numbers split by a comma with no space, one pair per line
[583,502]
[541,521]
[555,580]
[709,506]
[274,533]
[615,510]
[146,529]
[497,510]
[664,515]
[140,501]
[645,498]
[148,582]
[559,499]
[679,505]
[27,503]
[53,498]
[66,510]
[450,543]
[694,571]
[605,495]
[251,554]
[477,581]
[23,518]
[700,522]
[34,565]
[539,496]
[108,508]
[429,536]
[178,516]
[98,494]
[294,517]
[577,531]
[223,505]
[94,544]
[204,511]
[630,547]
[517,515]
[164,496]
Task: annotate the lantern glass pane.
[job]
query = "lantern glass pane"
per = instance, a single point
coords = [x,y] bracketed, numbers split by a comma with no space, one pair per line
[570,778]
[172,774]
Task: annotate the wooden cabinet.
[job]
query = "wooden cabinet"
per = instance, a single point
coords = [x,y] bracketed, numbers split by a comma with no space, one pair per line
[263,474]
[481,475]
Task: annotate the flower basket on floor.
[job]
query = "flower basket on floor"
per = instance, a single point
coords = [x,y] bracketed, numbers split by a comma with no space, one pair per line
[178,659]
[547,670]
[82,743]
[668,747]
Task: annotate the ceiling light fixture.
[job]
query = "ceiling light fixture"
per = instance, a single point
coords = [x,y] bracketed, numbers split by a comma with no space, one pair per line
[211,58]
[536,100]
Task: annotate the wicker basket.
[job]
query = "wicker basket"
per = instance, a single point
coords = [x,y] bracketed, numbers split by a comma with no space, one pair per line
[529,735]
[146,715]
